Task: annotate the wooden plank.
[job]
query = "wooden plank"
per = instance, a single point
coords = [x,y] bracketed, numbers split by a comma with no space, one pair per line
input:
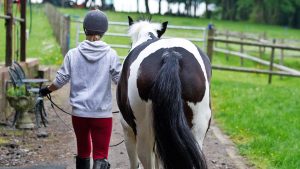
[259,71]
[258,60]
[255,44]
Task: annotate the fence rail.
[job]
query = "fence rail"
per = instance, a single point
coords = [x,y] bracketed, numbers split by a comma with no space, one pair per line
[258,60]
[286,71]
[116,34]
[248,70]
[255,44]
[9,17]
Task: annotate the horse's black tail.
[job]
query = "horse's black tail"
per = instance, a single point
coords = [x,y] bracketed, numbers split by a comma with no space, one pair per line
[175,144]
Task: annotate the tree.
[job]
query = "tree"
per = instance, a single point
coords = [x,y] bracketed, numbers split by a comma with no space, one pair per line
[147,6]
[103,3]
[159,6]
[281,12]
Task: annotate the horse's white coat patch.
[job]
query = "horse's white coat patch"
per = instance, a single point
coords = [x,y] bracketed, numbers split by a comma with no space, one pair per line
[139,32]
[202,115]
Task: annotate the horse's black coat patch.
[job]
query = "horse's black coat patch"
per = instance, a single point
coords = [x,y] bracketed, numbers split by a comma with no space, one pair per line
[191,77]
[188,112]
[193,89]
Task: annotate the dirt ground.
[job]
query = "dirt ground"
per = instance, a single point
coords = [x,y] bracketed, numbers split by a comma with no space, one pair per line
[59,147]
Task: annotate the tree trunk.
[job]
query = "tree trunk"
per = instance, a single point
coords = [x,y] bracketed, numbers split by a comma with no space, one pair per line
[189,10]
[103,4]
[224,8]
[137,6]
[195,8]
[206,9]
[147,6]
[159,6]
[85,3]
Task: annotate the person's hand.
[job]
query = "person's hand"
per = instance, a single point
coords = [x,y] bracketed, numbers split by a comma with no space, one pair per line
[44,91]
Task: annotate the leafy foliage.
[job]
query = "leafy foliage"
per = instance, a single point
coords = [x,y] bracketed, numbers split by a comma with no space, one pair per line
[282,12]
[17,91]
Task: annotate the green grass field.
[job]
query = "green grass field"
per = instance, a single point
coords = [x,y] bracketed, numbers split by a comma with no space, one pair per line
[263,120]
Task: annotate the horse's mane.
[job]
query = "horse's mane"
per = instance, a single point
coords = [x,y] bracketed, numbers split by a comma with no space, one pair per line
[145,18]
[142,28]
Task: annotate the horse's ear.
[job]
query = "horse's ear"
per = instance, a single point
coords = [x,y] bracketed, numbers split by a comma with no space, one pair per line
[130,21]
[163,29]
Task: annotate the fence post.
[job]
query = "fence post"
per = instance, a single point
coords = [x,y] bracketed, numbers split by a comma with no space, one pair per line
[282,52]
[8,25]
[271,61]
[23,31]
[227,47]
[242,48]
[210,42]
[265,38]
[260,37]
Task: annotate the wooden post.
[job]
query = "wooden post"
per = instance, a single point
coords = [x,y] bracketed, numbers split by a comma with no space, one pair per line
[282,53]
[242,48]
[265,38]
[210,42]
[23,31]
[260,37]
[227,47]
[271,62]
[8,25]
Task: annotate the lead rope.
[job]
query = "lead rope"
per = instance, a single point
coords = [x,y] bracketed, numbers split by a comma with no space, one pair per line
[53,104]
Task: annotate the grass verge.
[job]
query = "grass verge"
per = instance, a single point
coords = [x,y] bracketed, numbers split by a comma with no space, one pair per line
[263,120]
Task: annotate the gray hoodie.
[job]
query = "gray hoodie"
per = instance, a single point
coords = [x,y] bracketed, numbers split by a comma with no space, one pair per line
[90,67]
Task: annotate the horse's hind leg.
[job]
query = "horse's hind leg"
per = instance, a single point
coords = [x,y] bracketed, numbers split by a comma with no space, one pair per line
[145,139]
[130,142]
[201,118]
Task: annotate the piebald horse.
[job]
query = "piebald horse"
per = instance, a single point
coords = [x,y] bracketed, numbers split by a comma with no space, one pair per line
[164,98]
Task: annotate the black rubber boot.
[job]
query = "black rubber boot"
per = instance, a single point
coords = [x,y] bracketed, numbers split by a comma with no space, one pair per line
[82,163]
[101,164]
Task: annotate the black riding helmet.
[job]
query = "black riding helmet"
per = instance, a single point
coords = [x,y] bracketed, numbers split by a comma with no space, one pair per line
[95,23]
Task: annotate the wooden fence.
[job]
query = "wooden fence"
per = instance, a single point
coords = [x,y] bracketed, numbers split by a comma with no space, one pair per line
[61,26]
[284,71]
[260,38]
[195,39]
[241,39]
[10,23]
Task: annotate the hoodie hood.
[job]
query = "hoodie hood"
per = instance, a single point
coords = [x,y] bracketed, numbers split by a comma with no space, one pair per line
[93,51]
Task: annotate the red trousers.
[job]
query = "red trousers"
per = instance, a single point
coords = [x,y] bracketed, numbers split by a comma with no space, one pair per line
[92,135]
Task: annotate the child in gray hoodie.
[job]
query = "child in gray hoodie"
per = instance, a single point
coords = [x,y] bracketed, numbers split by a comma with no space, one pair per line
[90,68]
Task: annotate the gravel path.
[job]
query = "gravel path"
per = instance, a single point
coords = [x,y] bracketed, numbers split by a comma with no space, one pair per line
[59,148]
